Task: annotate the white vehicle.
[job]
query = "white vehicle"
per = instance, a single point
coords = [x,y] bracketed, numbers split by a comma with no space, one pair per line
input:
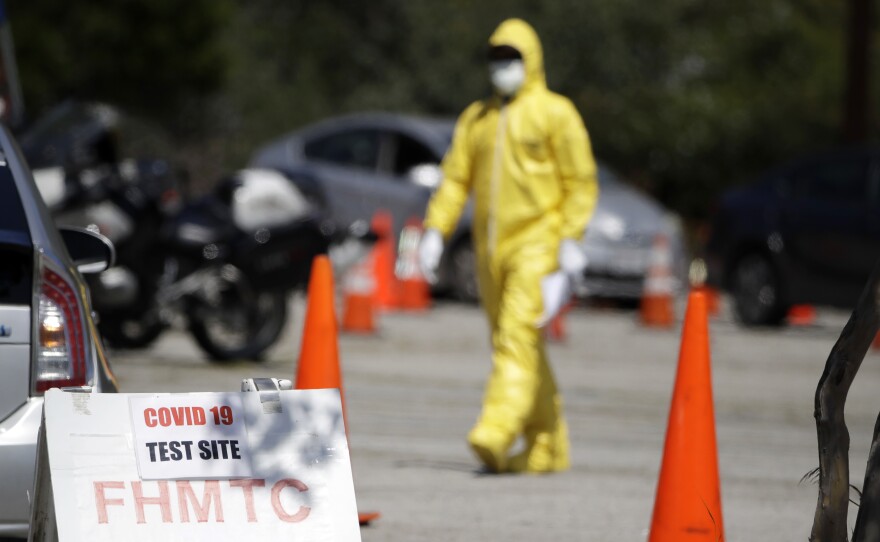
[48,338]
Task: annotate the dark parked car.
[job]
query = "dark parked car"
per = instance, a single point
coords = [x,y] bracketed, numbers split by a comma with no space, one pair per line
[47,336]
[353,166]
[805,233]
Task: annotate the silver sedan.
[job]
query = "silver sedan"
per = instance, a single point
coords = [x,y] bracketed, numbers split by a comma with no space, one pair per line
[356,165]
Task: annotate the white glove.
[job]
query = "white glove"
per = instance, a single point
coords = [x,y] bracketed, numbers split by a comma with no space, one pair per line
[572,260]
[430,250]
[555,292]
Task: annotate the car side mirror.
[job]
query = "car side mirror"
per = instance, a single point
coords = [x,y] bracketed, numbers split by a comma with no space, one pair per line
[427,175]
[91,252]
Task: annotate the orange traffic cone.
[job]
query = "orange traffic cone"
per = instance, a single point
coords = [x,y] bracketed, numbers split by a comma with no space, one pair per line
[801,315]
[688,502]
[318,365]
[415,293]
[656,308]
[359,285]
[384,257]
[713,303]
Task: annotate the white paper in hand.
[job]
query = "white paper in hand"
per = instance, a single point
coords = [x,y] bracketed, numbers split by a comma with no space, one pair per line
[556,291]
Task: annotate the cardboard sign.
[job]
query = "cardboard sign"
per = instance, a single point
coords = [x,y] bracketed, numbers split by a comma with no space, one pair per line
[194,436]
[299,486]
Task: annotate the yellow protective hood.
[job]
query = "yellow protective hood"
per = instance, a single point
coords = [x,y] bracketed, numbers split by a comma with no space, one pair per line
[526,161]
[521,36]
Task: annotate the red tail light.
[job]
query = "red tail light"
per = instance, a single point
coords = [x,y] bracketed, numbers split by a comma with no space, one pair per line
[60,341]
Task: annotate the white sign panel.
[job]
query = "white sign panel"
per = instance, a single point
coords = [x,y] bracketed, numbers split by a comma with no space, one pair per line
[195,435]
[299,486]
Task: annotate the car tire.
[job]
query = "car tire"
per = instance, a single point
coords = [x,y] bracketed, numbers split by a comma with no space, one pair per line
[463,272]
[757,297]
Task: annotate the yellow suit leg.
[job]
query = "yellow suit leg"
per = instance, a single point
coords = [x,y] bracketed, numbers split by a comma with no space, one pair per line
[521,396]
[546,433]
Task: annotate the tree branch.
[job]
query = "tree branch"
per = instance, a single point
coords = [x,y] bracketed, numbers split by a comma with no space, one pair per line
[829,521]
[868,520]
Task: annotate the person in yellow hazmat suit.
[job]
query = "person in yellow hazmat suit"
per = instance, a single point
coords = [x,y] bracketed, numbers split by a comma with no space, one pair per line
[524,156]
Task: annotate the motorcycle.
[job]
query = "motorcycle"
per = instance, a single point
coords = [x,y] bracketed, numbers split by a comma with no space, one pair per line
[223,266]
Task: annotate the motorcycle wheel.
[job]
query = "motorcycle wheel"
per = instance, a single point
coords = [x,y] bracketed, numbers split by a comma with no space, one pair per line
[241,327]
[130,333]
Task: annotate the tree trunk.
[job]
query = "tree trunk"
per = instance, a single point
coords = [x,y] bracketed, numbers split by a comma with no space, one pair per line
[829,521]
[868,520]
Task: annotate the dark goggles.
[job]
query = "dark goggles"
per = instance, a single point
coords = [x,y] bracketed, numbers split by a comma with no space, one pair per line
[503,52]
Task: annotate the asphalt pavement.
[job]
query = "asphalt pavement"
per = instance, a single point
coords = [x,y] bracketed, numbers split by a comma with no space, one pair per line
[414,389]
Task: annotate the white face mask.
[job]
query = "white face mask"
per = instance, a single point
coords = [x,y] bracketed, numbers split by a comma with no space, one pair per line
[507,76]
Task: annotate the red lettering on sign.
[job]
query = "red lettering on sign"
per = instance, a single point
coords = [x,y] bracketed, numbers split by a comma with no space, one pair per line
[101,500]
[211,494]
[222,415]
[150,417]
[188,504]
[198,415]
[282,514]
[247,488]
[163,501]
[164,417]
[182,415]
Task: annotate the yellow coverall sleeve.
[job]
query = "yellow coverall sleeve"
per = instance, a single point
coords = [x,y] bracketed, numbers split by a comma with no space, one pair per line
[449,200]
[577,171]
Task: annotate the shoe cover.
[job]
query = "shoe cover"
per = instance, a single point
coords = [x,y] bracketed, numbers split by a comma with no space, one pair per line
[490,444]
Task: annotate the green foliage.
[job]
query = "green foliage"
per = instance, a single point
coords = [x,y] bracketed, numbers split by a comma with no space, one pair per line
[691,96]
[684,97]
[154,57]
